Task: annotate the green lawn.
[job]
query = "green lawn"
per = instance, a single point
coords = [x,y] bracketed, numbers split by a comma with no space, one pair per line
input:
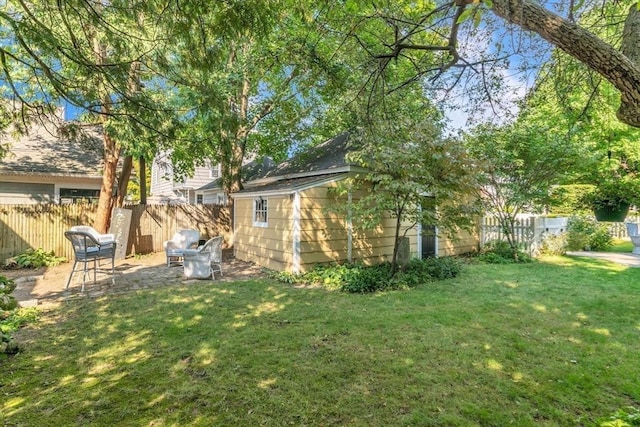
[549,343]
[621,245]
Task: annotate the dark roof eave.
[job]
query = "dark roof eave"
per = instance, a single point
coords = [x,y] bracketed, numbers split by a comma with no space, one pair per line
[47,174]
[273,179]
[280,187]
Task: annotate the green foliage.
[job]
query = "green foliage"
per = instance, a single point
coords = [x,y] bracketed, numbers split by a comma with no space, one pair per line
[7,301]
[11,321]
[11,317]
[363,279]
[405,157]
[38,258]
[446,267]
[501,252]
[568,199]
[520,162]
[624,417]
[357,278]
[613,192]
[284,277]
[6,285]
[555,244]
[585,233]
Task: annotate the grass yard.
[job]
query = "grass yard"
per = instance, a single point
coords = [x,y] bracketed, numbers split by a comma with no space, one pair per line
[621,245]
[551,343]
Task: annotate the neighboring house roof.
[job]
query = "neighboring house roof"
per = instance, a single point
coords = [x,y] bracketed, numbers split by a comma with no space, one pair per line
[323,163]
[40,152]
[250,172]
[165,199]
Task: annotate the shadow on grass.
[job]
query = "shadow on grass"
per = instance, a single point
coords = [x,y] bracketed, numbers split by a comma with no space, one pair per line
[552,342]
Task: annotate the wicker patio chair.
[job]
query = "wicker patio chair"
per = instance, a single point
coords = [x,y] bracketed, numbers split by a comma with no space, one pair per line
[87,249]
[205,261]
[181,240]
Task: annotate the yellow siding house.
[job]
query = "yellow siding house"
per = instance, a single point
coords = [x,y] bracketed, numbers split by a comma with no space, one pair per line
[282,220]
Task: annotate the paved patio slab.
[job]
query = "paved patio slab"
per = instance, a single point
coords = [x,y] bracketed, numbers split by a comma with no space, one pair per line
[47,285]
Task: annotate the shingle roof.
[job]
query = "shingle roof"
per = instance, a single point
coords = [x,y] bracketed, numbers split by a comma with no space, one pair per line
[323,157]
[42,153]
[293,184]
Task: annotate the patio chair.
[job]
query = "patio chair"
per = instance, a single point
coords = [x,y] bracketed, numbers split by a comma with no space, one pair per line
[183,239]
[103,238]
[87,248]
[205,261]
[632,231]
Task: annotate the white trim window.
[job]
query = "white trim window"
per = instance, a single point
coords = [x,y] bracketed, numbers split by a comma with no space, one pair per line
[260,208]
[214,171]
[199,199]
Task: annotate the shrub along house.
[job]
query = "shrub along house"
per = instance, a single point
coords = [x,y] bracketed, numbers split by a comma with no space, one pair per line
[283,219]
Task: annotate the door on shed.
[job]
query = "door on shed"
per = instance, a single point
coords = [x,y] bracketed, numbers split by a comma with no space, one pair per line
[428,232]
[428,241]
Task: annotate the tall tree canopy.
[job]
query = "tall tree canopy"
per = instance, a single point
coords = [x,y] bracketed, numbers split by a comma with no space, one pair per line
[219,79]
[458,42]
[201,79]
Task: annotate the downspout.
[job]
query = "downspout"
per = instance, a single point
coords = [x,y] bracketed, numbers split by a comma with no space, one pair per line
[295,262]
[233,228]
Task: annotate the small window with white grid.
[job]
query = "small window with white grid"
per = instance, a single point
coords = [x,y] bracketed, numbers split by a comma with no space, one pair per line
[260,212]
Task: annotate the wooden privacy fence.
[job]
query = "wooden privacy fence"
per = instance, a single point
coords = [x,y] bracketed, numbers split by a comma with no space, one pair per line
[43,226]
[531,231]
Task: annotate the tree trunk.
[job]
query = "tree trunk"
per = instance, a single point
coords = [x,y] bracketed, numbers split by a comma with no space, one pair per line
[628,111]
[143,180]
[396,247]
[621,70]
[106,200]
[123,181]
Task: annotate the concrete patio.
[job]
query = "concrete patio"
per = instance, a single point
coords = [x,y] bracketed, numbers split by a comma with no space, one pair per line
[46,286]
[627,259]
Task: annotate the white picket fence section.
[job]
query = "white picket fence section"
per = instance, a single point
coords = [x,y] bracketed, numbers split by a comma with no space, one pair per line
[530,231]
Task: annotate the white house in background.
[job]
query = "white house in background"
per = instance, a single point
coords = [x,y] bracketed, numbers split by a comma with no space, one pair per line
[47,167]
[165,188]
[213,193]
[203,187]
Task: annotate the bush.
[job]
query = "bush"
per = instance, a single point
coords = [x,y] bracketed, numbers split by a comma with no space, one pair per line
[500,252]
[585,233]
[628,416]
[357,278]
[363,279]
[10,321]
[7,301]
[11,317]
[37,258]
[6,285]
[434,268]
[554,244]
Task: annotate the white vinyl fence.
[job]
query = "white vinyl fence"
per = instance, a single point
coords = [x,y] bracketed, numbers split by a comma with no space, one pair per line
[530,231]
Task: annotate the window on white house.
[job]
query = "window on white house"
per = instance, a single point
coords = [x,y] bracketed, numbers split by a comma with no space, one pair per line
[155,177]
[214,171]
[199,199]
[260,212]
[222,200]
